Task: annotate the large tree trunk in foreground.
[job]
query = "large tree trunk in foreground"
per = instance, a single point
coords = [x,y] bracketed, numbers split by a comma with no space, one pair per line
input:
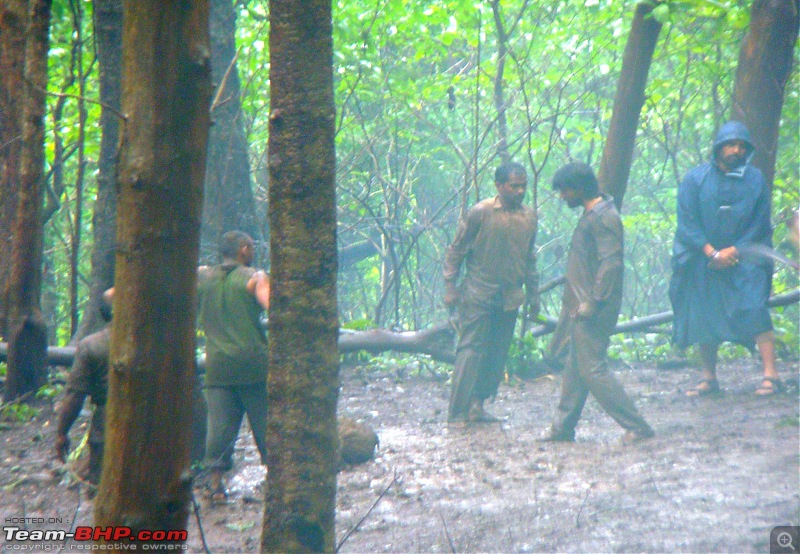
[13,21]
[27,332]
[108,34]
[765,62]
[166,91]
[303,380]
[615,166]
[229,203]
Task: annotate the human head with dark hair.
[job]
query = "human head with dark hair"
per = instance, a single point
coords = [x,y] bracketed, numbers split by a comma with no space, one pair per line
[511,181]
[236,246]
[505,171]
[577,183]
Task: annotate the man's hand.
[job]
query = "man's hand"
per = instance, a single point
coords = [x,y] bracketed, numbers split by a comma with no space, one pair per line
[725,258]
[585,310]
[729,256]
[62,447]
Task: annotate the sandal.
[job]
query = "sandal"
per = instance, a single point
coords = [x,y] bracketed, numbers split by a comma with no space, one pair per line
[770,386]
[706,387]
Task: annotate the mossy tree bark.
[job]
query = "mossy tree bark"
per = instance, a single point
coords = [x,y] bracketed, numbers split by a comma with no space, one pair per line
[108,34]
[166,90]
[13,20]
[765,63]
[615,166]
[27,332]
[303,378]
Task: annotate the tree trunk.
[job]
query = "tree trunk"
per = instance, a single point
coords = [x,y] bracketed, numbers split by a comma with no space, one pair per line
[108,34]
[615,166]
[27,332]
[765,62]
[13,20]
[229,203]
[166,91]
[303,380]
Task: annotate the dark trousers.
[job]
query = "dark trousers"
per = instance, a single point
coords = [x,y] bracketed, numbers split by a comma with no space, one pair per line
[484,338]
[226,409]
[585,371]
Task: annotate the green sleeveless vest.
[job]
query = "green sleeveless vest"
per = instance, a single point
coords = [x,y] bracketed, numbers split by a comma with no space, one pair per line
[236,344]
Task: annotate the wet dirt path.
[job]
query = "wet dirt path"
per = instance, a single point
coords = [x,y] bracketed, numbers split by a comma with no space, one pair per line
[719,475]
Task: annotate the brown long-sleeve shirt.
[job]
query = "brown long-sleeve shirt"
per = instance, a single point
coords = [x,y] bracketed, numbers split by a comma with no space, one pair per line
[89,376]
[498,247]
[595,266]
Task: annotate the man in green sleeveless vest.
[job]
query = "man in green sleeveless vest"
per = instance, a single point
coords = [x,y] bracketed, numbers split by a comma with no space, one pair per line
[231,297]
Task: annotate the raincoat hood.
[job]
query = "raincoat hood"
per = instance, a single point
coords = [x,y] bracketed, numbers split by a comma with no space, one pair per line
[733,130]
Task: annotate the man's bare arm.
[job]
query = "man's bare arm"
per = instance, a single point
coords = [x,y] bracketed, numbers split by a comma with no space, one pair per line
[68,412]
[258,286]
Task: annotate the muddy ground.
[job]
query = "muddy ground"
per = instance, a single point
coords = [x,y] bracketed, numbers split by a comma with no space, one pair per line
[719,475]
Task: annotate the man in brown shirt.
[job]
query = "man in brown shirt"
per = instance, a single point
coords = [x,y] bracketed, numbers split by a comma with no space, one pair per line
[495,240]
[590,308]
[89,376]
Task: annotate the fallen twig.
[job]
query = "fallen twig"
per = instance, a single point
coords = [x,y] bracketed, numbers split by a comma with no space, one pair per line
[196,508]
[447,534]
[357,525]
[583,504]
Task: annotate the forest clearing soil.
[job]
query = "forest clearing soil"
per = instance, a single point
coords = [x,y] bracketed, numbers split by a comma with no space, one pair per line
[719,475]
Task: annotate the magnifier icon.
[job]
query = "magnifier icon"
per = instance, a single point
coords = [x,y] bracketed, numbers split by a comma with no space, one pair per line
[784,540]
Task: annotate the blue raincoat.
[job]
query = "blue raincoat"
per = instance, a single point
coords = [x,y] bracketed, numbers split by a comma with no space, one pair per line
[733,209]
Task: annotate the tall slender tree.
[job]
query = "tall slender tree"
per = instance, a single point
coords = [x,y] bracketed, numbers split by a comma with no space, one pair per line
[166,89]
[615,167]
[108,36]
[27,332]
[13,21]
[229,203]
[765,62]
[303,380]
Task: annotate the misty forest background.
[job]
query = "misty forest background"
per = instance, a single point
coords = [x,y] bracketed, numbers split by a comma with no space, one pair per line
[418,135]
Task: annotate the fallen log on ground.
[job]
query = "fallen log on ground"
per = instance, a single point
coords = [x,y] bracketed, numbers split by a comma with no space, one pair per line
[437,341]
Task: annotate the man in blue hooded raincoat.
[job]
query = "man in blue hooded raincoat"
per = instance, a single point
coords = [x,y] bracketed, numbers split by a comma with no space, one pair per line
[718,294]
